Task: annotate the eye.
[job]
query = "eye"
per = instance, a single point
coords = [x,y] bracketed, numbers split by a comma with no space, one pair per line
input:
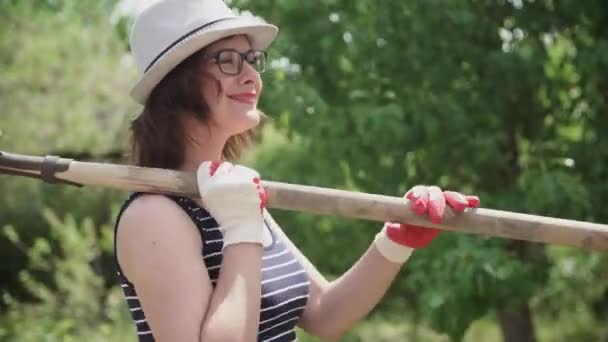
[228,57]
[253,56]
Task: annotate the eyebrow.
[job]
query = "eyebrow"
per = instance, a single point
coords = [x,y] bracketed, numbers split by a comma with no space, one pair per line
[230,39]
[231,48]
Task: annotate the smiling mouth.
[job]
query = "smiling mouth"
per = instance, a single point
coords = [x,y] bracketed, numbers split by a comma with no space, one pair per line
[244,98]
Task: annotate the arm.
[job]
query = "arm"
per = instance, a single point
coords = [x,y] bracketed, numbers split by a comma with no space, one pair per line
[159,250]
[348,299]
[235,306]
[334,307]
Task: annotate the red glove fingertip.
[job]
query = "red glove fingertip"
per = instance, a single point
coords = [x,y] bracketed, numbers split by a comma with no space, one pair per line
[456,200]
[213,167]
[263,197]
[473,201]
[436,210]
[418,191]
[435,217]
[261,192]
[419,207]
[436,205]
[421,204]
[410,196]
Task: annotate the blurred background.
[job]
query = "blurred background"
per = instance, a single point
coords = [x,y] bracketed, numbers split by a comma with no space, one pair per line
[507,99]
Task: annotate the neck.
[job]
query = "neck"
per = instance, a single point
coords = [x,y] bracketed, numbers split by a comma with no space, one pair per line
[203,143]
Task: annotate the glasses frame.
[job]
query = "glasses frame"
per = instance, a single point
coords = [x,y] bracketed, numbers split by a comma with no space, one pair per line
[215,56]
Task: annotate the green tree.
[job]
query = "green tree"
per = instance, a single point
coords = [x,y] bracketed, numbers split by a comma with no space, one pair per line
[61,65]
[503,99]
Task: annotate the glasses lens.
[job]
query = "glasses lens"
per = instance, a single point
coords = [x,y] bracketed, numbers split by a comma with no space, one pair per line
[229,62]
[257,59]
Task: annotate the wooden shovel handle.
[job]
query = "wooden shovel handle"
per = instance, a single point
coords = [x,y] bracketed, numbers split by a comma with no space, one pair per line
[487,222]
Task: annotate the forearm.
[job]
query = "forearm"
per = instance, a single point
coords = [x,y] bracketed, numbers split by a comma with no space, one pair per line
[352,296]
[233,313]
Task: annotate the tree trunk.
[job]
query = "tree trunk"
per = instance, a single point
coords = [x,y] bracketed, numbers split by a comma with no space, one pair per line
[517,325]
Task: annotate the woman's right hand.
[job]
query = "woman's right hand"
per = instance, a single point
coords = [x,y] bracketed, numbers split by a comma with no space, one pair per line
[234,196]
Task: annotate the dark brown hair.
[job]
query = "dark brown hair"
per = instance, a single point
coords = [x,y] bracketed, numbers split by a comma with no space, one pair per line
[158,134]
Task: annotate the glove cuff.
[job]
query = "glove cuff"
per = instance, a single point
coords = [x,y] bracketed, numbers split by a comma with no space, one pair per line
[391,250]
[243,232]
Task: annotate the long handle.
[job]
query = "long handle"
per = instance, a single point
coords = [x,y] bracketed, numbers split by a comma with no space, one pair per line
[343,203]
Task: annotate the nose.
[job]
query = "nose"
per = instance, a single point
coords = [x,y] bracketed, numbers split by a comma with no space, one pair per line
[248,74]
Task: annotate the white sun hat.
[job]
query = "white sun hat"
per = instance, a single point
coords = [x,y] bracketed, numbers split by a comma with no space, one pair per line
[169,31]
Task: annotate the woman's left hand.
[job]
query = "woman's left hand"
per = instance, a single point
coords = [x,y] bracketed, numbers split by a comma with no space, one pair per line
[427,201]
[431,201]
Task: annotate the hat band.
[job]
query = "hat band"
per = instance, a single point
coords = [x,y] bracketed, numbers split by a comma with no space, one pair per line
[181,39]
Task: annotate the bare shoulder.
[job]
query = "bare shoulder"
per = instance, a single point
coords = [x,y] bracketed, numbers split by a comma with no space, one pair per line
[154,224]
[150,216]
[159,250]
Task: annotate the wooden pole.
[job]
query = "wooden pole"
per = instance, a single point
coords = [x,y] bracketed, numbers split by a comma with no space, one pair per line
[487,222]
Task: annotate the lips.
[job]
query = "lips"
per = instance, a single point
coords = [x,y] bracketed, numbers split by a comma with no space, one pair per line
[244,97]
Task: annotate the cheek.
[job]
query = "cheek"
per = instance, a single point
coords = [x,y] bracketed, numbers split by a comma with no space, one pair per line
[213,94]
[210,97]
[209,91]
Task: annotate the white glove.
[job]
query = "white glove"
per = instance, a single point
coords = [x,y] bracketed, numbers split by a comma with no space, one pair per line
[234,197]
[393,251]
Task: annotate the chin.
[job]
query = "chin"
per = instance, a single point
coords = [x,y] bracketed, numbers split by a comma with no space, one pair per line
[247,121]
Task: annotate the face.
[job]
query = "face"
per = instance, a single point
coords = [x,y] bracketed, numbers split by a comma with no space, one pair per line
[234,108]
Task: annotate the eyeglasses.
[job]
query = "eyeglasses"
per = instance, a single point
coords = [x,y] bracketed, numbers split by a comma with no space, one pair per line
[230,61]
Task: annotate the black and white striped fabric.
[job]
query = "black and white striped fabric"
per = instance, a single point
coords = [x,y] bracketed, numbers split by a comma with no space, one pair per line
[285,284]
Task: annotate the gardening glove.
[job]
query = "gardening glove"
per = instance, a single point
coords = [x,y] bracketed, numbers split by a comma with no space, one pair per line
[234,196]
[396,241]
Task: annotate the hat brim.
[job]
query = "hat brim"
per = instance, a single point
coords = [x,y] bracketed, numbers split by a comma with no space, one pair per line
[260,34]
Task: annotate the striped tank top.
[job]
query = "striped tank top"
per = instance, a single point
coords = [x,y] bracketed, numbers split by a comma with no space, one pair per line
[285,284]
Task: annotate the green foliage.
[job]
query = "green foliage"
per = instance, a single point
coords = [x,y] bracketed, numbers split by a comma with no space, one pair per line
[472,275]
[74,301]
[505,99]
[493,98]
[61,65]
[576,281]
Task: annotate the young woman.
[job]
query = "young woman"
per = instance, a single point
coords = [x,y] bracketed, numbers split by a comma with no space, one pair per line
[220,268]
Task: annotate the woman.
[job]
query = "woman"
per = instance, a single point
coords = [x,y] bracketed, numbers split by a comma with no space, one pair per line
[219,268]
